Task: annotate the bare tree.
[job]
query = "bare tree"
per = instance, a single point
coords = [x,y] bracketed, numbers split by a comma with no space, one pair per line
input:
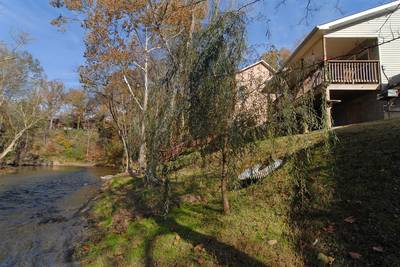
[53,96]
[20,97]
[20,115]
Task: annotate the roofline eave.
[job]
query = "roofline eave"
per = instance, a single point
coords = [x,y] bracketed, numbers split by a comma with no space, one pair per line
[299,47]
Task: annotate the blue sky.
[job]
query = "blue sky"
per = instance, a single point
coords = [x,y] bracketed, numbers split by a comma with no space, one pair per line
[61,53]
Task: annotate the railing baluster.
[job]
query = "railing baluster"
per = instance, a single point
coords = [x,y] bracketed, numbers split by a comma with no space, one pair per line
[373,72]
[362,73]
[353,71]
[336,72]
[357,72]
[334,75]
[333,71]
[342,73]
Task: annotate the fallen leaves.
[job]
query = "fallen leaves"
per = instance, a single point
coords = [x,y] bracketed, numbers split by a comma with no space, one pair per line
[272,242]
[355,255]
[201,261]
[176,239]
[199,248]
[329,229]
[85,248]
[325,259]
[377,248]
[350,219]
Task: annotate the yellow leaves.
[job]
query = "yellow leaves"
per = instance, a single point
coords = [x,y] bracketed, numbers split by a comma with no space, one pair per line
[199,248]
[73,4]
[181,13]
[176,239]
[114,54]
[325,259]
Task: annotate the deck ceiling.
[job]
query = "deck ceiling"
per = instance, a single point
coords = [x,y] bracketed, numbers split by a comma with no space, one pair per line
[346,95]
[337,47]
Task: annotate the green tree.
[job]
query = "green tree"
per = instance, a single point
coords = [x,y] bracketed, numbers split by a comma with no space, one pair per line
[218,50]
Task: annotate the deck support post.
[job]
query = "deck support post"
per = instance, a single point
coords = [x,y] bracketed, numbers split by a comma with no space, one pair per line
[328,106]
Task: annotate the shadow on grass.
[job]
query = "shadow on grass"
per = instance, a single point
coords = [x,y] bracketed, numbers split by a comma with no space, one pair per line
[139,200]
[347,199]
[225,254]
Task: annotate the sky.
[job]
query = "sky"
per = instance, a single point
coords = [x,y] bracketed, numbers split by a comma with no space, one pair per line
[61,53]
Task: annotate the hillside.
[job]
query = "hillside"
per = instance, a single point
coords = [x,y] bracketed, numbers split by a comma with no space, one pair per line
[329,204]
[76,147]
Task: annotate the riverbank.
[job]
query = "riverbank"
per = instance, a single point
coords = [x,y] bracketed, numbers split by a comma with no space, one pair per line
[327,205]
[74,164]
[7,170]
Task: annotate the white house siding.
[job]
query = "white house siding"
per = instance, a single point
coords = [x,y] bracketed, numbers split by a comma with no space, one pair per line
[389,53]
[315,54]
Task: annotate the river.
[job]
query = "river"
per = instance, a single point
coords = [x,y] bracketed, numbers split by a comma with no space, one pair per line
[40,214]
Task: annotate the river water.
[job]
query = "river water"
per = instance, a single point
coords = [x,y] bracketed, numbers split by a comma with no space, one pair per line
[40,214]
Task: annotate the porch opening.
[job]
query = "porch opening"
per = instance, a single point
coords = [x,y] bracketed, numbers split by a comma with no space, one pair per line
[355,106]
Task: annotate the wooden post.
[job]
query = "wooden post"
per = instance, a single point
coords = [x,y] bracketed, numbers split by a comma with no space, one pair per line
[327,94]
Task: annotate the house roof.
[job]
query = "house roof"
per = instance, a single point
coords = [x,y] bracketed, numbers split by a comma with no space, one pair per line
[319,30]
[265,64]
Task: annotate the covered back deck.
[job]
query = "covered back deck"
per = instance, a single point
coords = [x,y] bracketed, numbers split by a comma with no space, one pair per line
[353,72]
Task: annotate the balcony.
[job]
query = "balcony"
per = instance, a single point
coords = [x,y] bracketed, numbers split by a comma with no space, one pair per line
[353,71]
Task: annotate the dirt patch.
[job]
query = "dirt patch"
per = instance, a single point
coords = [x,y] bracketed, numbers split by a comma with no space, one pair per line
[194,199]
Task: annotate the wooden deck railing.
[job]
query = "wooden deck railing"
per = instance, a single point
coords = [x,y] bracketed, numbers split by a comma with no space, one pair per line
[353,71]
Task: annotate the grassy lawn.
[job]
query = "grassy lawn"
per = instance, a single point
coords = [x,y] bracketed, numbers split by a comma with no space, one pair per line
[336,204]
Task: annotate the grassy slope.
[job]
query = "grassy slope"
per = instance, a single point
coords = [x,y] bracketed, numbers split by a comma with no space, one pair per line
[303,206]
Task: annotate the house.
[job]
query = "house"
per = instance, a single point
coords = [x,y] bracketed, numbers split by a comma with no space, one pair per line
[359,54]
[250,98]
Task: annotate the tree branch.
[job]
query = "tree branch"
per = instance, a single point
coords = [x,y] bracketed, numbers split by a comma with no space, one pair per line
[131,91]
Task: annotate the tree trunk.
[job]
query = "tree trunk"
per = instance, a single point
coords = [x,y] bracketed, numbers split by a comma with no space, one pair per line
[167,190]
[10,147]
[143,147]
[192,27]
[79,123]
[51,123]
[224,176]
[88,144]
[126,153]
